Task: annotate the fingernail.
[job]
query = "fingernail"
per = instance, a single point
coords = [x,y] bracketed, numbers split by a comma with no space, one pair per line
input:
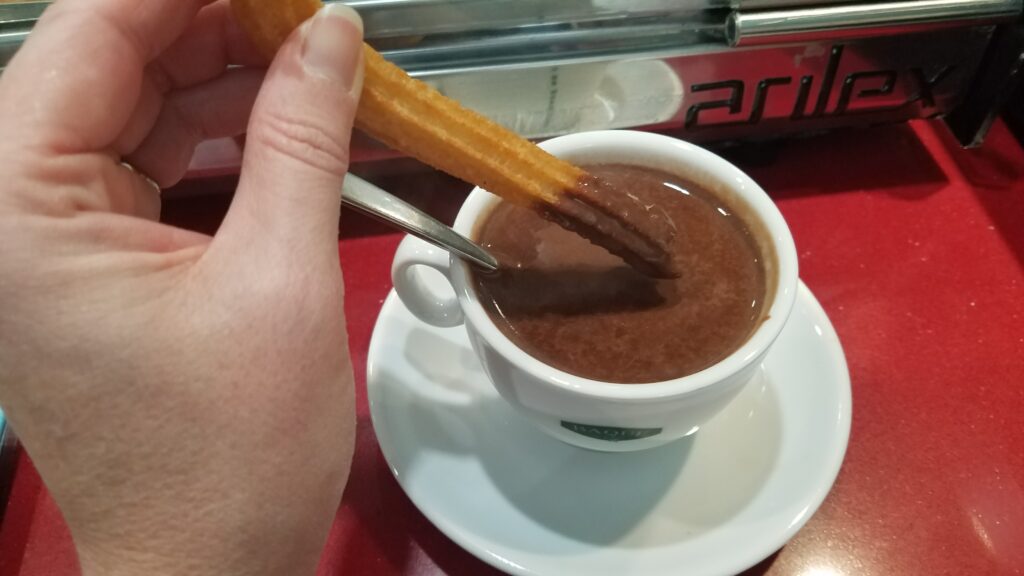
[333,44]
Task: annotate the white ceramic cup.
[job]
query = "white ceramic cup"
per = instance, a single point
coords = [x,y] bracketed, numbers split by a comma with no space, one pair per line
[589,413]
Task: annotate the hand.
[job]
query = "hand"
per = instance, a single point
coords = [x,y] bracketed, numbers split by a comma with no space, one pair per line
[188,400]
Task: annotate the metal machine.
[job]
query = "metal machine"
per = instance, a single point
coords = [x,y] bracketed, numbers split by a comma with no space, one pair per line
[710,70]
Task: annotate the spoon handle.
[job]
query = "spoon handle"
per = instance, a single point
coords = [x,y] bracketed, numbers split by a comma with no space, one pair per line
[373,201]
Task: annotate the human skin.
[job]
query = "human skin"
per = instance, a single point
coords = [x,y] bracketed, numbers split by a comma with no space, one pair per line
[188,400]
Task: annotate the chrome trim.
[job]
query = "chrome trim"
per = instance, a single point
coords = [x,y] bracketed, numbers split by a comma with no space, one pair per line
[529,47]
[435,37]
[16,20]
[862,20]
[12,13]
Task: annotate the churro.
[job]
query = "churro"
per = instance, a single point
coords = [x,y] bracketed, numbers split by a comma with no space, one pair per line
[415,119]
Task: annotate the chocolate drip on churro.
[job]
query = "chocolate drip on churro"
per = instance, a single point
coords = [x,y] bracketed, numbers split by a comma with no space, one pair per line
[619,222]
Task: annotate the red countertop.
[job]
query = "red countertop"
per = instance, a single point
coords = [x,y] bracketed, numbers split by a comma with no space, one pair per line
[914,247]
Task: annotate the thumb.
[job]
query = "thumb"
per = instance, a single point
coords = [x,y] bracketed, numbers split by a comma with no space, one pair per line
[297,148]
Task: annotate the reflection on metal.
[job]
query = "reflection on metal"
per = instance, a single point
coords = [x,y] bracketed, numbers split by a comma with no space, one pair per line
[860,20]
[16,20]
[727,94]
[548,45]
[431,37]
[12,13]
[547,68]
[551,100]
[992,87]
[392,18]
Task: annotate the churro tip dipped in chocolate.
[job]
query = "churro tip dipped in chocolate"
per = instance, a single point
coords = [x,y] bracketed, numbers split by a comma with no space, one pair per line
[415,119]
[639,234]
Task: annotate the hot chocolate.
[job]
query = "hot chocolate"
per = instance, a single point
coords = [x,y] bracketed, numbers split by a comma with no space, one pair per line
[578,308]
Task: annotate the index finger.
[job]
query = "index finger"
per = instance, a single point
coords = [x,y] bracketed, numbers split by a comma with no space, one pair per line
[74,83]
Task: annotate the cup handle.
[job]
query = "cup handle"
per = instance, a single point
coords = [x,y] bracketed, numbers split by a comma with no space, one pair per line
[439,307]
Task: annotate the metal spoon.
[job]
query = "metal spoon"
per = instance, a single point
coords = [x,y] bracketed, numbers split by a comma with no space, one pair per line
[373,201]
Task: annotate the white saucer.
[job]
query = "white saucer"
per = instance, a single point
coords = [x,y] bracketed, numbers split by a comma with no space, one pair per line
[716,502]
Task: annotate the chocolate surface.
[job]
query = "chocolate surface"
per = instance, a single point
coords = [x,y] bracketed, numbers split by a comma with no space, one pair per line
[576,307]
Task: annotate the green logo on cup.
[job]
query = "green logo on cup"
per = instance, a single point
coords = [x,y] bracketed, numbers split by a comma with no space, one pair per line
[610,433]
